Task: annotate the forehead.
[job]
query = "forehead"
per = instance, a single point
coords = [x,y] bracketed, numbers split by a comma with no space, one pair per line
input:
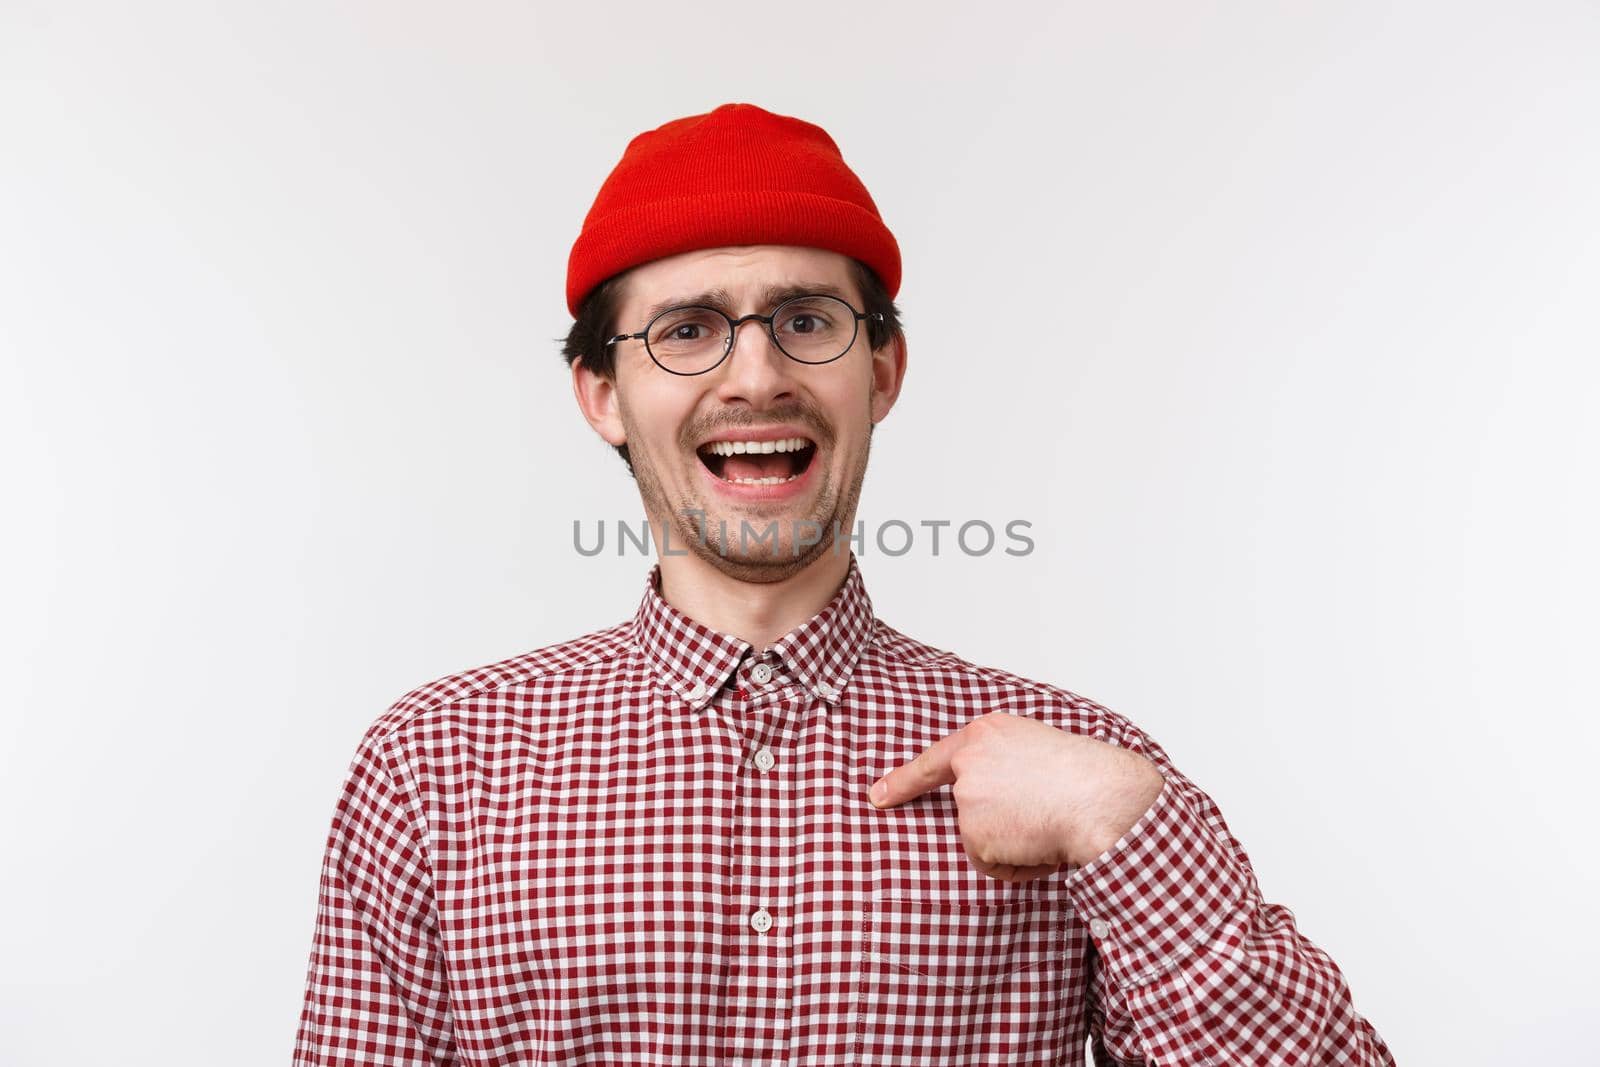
[745,272]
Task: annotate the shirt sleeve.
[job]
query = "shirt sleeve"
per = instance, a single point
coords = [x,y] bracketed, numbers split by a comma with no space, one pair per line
[1192,966]
[376,990]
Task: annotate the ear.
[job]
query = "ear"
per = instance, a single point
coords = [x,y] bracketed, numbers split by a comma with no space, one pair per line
[888,371]
[597,399]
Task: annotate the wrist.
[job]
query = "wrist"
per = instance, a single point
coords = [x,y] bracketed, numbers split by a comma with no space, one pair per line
[1120,815]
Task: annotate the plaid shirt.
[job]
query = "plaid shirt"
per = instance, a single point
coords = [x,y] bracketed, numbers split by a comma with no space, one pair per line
[652,844]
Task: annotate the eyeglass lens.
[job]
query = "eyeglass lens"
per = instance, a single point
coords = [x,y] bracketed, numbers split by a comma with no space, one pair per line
[811,329]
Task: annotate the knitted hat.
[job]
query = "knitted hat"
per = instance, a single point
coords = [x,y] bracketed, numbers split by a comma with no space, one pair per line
[735,176]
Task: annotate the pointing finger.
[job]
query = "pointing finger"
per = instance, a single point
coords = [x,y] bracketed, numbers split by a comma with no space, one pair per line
[927,771]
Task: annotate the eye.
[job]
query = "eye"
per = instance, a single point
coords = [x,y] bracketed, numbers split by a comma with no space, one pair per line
[807,317]
[685,328]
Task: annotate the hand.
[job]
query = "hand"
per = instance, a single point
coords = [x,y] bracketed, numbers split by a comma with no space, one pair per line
[1029,797]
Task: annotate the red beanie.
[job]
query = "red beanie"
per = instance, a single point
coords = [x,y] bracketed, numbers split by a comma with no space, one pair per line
[738,175]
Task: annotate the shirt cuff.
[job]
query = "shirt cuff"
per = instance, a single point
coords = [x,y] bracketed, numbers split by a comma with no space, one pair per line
[1160,892]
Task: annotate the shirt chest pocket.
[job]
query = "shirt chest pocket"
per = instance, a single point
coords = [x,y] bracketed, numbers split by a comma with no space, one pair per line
[967,978]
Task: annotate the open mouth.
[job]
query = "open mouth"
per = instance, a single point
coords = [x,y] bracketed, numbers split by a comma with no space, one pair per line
[758,462]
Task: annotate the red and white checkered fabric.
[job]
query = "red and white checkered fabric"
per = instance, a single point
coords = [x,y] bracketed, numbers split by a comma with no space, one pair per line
[653,844]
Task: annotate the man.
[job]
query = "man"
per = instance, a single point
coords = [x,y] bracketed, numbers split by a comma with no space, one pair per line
[753,823]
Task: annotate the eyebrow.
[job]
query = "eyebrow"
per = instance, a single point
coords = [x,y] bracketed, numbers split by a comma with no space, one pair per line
[723,301]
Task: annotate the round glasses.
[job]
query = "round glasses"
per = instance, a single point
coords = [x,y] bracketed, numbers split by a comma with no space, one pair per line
[694,339]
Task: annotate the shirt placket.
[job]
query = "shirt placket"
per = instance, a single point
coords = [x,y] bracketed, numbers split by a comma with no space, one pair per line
[762,701]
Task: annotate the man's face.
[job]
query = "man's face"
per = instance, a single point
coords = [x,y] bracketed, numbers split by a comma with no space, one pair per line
[765,515]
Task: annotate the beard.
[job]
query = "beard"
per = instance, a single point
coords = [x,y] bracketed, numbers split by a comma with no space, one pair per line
[759,543]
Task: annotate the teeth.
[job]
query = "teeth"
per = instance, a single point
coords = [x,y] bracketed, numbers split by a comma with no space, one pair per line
[761,481]
[737,448]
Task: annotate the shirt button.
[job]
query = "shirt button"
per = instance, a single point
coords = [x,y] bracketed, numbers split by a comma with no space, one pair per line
[761,922]
[765,760]
[698,692]
[825,691]
[761,673]
[1099,927]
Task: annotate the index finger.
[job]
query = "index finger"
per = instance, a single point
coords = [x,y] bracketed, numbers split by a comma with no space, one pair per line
[928,770]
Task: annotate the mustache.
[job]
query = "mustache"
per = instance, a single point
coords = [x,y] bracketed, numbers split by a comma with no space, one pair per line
[793,415]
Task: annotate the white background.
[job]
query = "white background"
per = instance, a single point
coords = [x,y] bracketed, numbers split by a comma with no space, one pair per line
[1277,321]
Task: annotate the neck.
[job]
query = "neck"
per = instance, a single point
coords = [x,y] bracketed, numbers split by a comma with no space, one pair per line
[757,612]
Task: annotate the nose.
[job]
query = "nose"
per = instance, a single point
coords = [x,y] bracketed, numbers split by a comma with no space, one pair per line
[756,370]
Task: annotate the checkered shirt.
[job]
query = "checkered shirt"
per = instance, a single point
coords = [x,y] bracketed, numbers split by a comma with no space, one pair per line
[653,845]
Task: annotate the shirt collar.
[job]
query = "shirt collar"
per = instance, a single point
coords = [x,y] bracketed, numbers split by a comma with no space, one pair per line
[696,661]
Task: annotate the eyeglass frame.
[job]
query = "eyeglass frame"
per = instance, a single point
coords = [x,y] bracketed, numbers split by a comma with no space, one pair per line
[733,332]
